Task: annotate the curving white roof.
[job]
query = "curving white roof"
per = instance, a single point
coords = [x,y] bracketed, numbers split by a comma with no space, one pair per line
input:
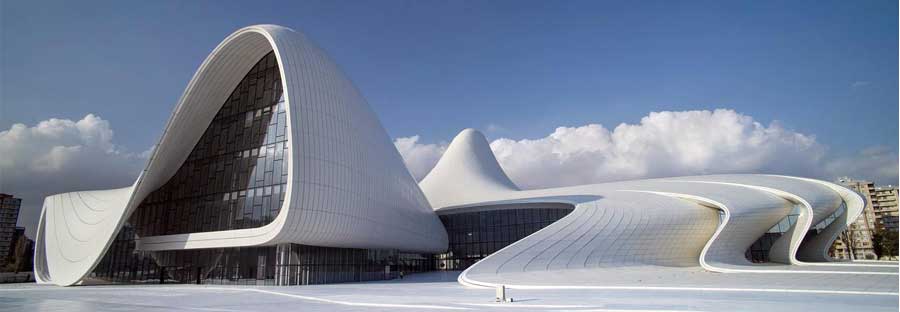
[347,184]
[467,165]
[348,187]
[697,221]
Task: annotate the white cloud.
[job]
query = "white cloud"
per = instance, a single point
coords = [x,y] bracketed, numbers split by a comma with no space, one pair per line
[662,144]
[61,155]
[419,158]
[877,163]
[860,84]
[668,144]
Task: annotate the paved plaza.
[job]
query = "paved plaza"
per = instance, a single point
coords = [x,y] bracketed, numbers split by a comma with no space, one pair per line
[419,292]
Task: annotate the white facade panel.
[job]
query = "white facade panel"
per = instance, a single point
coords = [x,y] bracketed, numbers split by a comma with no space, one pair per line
[348,186]
[699,221]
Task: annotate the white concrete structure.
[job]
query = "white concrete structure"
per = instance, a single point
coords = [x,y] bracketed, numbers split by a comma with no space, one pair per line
[664,224]
[347,187]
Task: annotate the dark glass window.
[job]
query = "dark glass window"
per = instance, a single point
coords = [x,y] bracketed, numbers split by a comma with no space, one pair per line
[286,264]
[228,179]
[759,250]
[475,235]
[235,178]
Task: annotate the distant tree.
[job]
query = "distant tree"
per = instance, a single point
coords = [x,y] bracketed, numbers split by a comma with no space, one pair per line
[885,244]
[20,260]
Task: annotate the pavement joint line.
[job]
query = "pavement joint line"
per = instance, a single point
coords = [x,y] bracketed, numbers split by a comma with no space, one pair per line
[349,303]
[863,265]
[806,272]
[466,306]
[562,306]
[621,310]
[723,289]
[508,286]
[525,305]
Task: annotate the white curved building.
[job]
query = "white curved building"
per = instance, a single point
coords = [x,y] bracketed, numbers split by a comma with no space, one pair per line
[672,231]
[270,134]
[274,170]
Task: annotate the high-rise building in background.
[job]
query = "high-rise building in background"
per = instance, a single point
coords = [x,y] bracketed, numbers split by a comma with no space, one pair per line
[21,253]
[9,215]
[856,241]
[885,207]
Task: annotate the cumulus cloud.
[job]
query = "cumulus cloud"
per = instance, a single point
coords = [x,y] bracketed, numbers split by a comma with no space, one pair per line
[419,158]
[669,144]
[61,155]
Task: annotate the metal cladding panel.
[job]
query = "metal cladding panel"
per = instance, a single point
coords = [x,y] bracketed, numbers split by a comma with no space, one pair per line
[822,199]
[660,223]
[348,186]
[468,168]
[706,221]
[617,229]
[354,190]
[74,231]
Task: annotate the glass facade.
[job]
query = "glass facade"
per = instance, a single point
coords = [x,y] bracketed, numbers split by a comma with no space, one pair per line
[285,264]
[477,234]
[759,250]
[305,265]
[235,177]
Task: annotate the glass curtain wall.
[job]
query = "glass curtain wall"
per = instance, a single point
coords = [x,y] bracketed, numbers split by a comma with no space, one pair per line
[758,252]
[235,177]
[286,264]
[304,265]
[475,235]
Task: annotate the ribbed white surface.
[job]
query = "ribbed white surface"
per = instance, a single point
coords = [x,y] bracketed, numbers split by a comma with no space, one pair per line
[348,186]
[73,230]
[617,229]
[662,223]
[467,164]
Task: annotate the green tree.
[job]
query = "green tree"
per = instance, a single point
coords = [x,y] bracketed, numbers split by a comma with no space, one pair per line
[885,243]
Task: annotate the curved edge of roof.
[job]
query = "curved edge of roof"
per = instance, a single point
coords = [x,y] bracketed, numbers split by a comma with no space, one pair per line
[62,256]
[467,166]
[73,235]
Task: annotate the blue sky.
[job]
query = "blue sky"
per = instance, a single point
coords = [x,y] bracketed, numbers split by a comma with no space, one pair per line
[808,87]
[432,68]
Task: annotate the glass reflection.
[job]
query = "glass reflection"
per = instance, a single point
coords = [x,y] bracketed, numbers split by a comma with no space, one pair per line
[758,252]
[235,176]
[475,235]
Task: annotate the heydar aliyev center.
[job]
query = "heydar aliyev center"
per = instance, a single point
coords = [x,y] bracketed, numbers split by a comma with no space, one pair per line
[273,170]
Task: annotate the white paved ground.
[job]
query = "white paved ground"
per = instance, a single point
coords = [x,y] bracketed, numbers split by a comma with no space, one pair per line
[419,292]
[877,280]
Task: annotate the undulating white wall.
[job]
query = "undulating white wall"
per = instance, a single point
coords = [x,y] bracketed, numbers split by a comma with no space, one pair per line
[348,186]
[703,221]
